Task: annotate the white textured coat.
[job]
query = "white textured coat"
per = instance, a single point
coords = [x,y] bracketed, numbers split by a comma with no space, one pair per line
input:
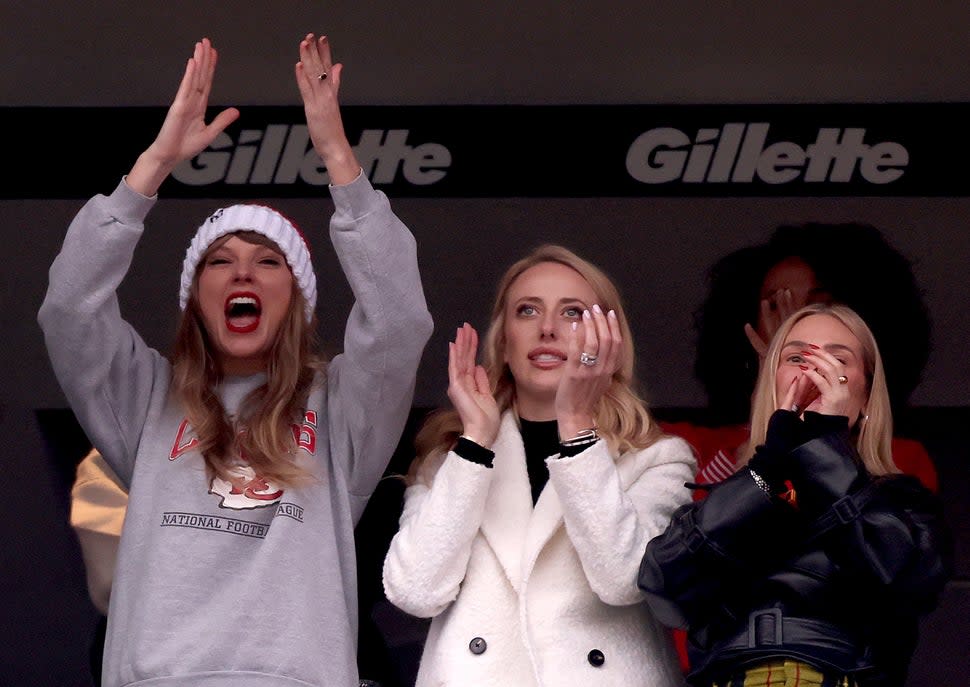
[545,588]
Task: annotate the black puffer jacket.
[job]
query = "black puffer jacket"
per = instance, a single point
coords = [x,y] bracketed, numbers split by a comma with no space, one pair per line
[837,582]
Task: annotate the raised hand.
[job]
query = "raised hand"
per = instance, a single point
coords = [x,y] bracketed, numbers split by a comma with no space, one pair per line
[318,79]
[583,384]
[184,133]
[469,390]
[774,311]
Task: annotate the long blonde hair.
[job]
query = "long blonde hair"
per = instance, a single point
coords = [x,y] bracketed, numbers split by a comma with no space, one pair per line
[622,418]
[873,432]
[268,413]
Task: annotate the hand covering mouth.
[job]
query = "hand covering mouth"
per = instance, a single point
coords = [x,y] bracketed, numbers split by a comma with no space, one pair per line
[242,312]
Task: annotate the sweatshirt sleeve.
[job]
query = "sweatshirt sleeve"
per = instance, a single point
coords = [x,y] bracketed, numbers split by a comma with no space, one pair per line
[609,522]
[428,557]
[106,370]
[371,383]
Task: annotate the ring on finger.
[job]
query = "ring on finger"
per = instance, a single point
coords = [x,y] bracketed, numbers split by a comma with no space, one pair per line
[843,379]
[322,76]
[587,359]
[795,409]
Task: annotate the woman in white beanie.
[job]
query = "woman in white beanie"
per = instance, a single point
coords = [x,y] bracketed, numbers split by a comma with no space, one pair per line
[248,461]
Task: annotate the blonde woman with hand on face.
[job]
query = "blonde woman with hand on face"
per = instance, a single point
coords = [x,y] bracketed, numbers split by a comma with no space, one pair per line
[247,459]
[531,501]
[811,565]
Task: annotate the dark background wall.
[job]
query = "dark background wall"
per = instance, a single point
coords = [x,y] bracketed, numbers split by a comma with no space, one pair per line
[432,53]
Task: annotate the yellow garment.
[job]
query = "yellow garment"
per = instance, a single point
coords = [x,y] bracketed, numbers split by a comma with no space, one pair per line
[787,674]
[98,505]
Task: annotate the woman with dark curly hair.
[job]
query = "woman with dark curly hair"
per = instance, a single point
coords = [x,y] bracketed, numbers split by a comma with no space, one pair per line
[752,290]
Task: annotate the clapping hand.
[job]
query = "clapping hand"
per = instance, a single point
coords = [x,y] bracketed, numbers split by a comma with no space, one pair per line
[469,390]
[593,358]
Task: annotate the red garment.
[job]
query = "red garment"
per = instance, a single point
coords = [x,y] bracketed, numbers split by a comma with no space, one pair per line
[716,449]
[911,457]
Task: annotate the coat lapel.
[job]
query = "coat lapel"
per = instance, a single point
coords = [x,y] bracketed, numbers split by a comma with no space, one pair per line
[546,521]
[508,507]
[548,515]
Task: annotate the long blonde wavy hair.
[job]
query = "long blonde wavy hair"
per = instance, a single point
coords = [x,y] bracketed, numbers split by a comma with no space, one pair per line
[622,418]
[268,413]
[872,432]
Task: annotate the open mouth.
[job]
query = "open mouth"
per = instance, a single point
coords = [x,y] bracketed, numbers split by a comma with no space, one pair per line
[546,357]
[242,312]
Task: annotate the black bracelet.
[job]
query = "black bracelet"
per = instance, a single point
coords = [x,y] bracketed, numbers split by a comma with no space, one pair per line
[470,450]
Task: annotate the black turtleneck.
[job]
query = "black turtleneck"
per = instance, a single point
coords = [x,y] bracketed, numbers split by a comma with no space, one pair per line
[541,440]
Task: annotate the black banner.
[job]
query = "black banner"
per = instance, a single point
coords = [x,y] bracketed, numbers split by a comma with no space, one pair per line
[509,151]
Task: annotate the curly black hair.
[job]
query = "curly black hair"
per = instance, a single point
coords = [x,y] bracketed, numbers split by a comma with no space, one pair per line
[855,264]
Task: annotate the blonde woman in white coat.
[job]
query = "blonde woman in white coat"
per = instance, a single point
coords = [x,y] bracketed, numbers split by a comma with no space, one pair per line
[531,503]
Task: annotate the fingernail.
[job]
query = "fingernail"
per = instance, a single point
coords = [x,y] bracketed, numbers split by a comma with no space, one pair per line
[575,326]
[586,315]
[803,367]
[611,313]
[814,346]
[596,309]
[807,353]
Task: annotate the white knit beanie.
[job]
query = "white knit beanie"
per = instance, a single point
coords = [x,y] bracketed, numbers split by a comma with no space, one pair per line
[263,220]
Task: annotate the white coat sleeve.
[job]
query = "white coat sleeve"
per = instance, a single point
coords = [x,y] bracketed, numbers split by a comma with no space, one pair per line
[428,557]
[609,522]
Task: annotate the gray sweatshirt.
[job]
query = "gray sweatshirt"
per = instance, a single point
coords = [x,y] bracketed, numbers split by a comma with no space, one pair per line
[236,582]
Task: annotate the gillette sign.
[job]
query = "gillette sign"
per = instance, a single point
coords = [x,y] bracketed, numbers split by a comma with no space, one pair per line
[519,151]
[282,154]
[739,153]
